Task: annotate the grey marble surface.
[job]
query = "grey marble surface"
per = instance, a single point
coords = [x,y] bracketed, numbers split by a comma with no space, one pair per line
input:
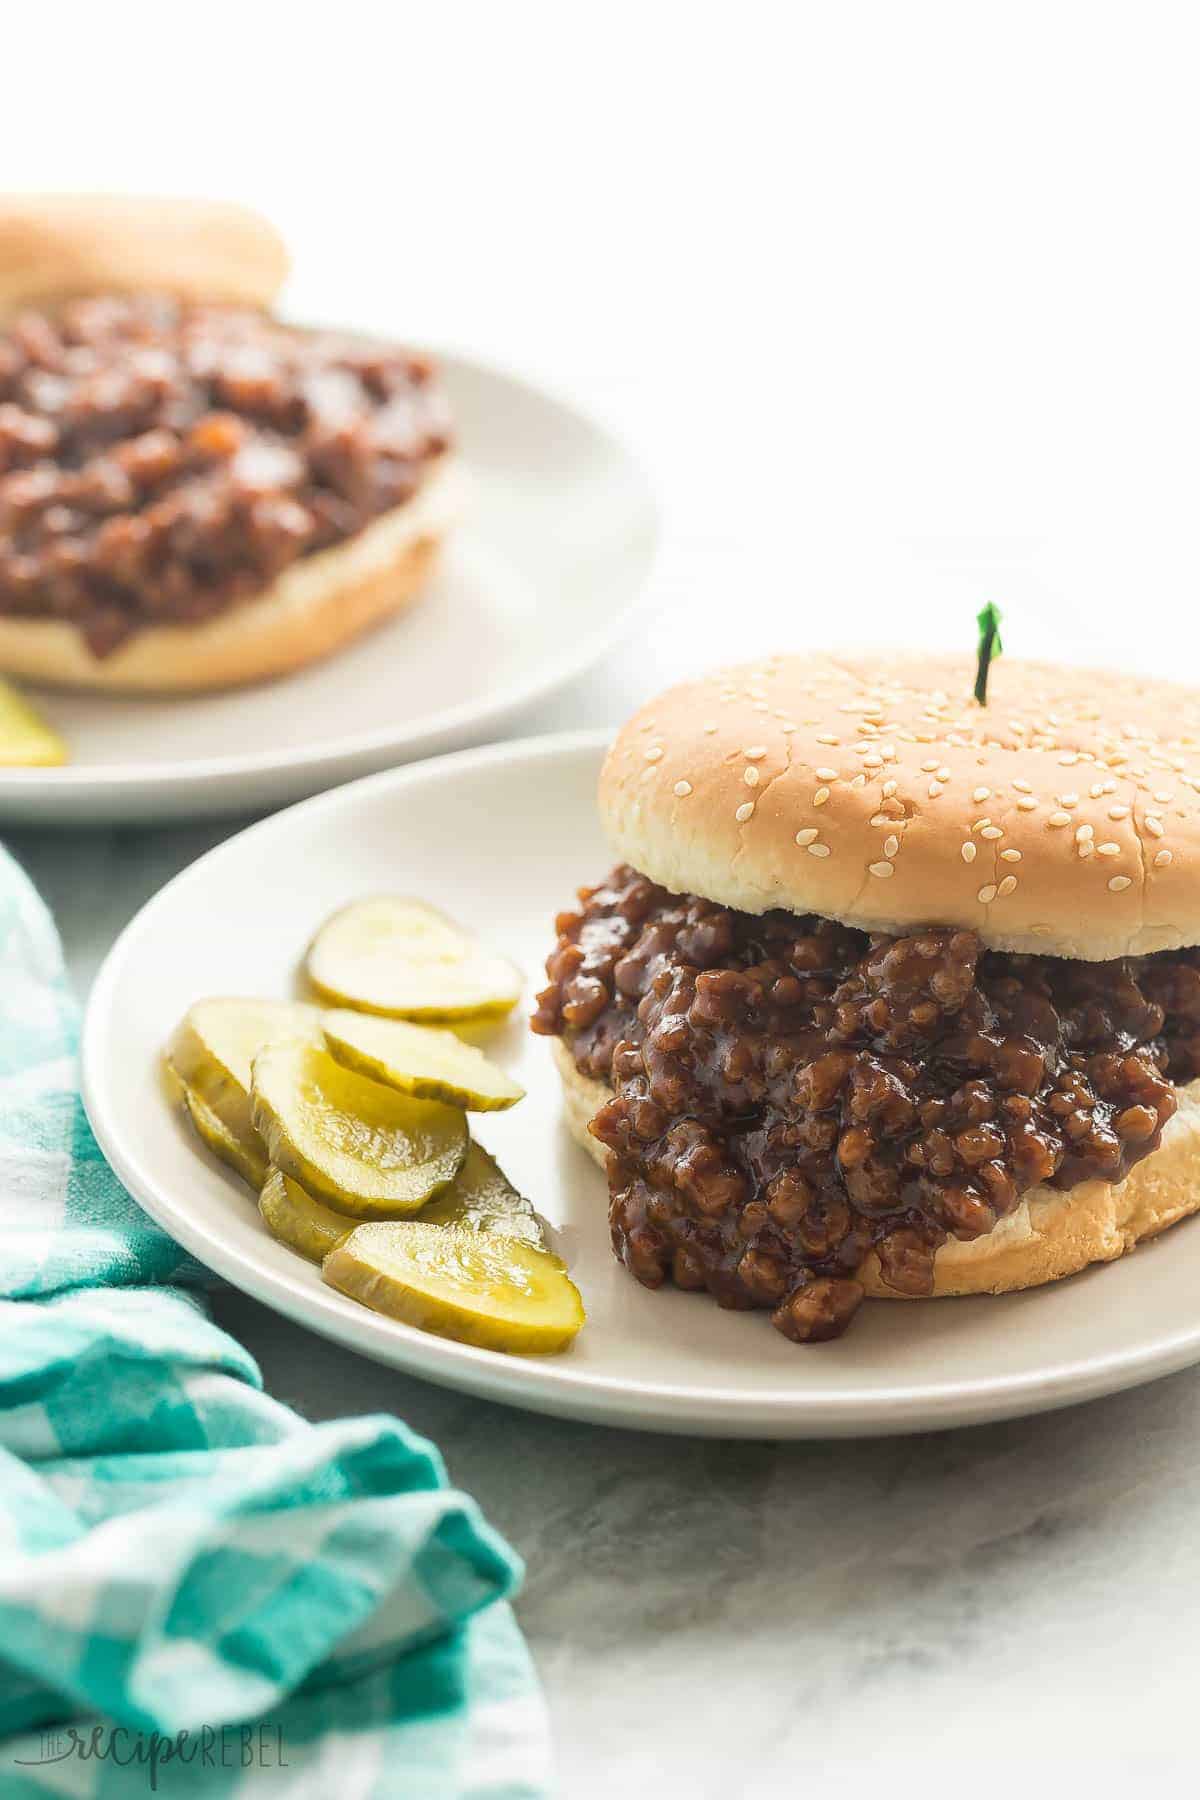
[717,1620]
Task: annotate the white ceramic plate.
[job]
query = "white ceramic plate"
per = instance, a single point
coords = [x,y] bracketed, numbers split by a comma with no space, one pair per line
[538,581]
[500,838]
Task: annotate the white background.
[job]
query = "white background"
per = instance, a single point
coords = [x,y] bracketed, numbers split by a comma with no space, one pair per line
[899,304]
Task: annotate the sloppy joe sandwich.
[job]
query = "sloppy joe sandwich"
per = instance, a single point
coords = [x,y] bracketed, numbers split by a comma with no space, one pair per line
[192,493]
[890,993]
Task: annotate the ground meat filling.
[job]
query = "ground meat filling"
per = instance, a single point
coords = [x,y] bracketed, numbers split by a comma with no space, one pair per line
[791,1094]
[160,462]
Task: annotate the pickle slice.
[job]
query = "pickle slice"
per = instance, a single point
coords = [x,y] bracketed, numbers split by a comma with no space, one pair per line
[406,961]
[26,741]
[361,1147]
[246,1159]
[216,1043]
[295,1218]
[420,1060]
[482,1198]
[476,1286]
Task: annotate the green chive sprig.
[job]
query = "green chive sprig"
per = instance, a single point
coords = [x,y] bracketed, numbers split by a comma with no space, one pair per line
[989,646]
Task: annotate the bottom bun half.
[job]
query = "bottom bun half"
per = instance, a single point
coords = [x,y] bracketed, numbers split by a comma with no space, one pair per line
[315,607]
[1051,1234]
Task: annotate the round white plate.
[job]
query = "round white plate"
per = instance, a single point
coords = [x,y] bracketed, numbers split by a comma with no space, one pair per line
[538,580]
[500,838]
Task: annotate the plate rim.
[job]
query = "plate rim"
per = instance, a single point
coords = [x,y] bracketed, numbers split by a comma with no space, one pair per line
[488,710]
[549,1385]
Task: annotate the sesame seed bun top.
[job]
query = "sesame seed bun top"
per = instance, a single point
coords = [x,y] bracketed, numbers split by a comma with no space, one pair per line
[1063,818]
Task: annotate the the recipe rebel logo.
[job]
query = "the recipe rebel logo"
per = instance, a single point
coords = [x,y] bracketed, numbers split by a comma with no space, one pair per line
[251,1746]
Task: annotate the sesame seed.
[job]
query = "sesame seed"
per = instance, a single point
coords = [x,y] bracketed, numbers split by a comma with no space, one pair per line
[982,793]
[1083,833]
[1118,812]
[1108,849]
[891,845]
[1006,887]
[859,781]
[1025,804]
[1068,799]
[654,753]
[881,819]
[1162,797]
[826,737]
[882,869]
[821,796]
[943,773]
[889,788]
[872,761]
[969,851]
[986,895]
[710,727]
[750,776]
[826,774]
[1154,826]
[1022,787]
[807,836]
[935,788]
[1096,789]
[1010,856]
[818,849]
[1059,818]
[745,811]
[930,764]
[1069,761]
[683,789]
[1085,849]
[755,753]
[1118,884]
[1162,858]
[991,831]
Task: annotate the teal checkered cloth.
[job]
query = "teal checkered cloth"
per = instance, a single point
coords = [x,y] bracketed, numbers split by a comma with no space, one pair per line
[199,1592]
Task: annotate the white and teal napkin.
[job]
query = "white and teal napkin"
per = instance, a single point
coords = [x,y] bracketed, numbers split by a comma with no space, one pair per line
[201,1594]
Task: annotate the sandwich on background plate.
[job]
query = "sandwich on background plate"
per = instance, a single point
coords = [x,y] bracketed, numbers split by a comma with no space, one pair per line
[890,993]
[192,493]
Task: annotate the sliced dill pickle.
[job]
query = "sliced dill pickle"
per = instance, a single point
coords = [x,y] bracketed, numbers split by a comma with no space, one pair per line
[173,1085]
[420,1060]
[216,1043]
[295,1218]
[406,961]
[26,741]
[482,1198]
[247,1159]
[476,1286]
[361,1147]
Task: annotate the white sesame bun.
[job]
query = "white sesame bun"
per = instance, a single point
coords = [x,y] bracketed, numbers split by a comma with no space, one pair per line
[1048,1236]
[56,246]
[1062,819]
[315,607]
